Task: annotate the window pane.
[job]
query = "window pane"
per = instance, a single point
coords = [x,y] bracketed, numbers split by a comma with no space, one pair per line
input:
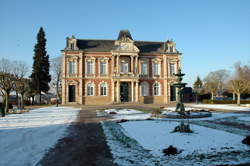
[103,68]
[71,67]
[172,68]
[144,68]
[156,69]
[89,67]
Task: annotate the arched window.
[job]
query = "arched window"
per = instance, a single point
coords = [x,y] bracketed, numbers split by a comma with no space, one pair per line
[144,89]
[90,89]
[103,89]
[156,88]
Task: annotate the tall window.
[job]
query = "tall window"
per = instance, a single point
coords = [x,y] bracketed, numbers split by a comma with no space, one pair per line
[144,68]
[90,68]
[124,67]
[103,89]
[144,89]
[103,68]
[156,69]
[90,89]
[156,88]
[172,68]
[71,67]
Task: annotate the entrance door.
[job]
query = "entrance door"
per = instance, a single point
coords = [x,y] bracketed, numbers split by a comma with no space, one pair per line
[172,93]
[124,88]
[72,93]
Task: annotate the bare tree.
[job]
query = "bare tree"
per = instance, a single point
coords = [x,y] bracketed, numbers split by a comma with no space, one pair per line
[7,82]
[20,70]
[215,82]
[22,86]
[240,81]
[56,68]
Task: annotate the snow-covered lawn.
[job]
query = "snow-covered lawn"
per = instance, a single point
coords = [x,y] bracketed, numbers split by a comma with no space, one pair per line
[25,138]
[141,141]
[220,106]
[158,135]
[244,118]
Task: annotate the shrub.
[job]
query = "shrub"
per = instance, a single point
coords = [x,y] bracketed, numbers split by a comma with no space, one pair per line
[224,101]
[246,140]
[171,150]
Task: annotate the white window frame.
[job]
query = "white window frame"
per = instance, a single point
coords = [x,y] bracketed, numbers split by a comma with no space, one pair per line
[156,69]
[144,89]
[157,92]
[124,67]
[144,68]
[103,89]
[103,65]
[92,61]
[90,89]
[172,68]
[72,67]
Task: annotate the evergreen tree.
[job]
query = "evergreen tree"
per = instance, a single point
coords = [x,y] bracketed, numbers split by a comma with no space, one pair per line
[40,76]
[197,87]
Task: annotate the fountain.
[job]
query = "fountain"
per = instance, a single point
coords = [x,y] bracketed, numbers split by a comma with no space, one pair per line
[180,106]
[180,111]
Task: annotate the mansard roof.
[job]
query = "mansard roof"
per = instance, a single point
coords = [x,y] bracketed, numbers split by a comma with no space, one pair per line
[92,45]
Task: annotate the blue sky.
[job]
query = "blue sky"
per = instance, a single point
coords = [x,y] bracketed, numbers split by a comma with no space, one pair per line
[211,34]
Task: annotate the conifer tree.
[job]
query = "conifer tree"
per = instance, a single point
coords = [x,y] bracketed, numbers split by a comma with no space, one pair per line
[197,87]
[40,76]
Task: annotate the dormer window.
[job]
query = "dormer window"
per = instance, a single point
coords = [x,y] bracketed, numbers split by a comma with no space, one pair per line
[72,46]
[171,49]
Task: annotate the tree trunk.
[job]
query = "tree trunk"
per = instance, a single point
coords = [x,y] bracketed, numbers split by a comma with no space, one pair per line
[40,97]
[17,101]
[33,98]
[212,96]
[196,98]
[233,96]
[21,103]
[3,107]
[6,109]
[238,99]
[57,84]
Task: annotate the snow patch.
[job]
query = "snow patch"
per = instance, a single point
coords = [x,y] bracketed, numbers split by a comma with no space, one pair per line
[25,138]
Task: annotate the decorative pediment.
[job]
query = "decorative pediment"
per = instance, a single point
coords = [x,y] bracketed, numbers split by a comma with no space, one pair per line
[72,82]
[128,46]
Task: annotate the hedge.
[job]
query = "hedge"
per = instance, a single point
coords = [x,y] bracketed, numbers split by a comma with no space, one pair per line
[225,101]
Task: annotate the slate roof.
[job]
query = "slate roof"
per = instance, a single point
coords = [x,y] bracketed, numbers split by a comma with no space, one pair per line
[93,45]
[108,45]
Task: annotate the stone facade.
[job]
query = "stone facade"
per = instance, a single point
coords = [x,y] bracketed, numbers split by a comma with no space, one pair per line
[122,70]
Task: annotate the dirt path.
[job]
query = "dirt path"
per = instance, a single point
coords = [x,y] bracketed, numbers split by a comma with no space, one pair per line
[85,145]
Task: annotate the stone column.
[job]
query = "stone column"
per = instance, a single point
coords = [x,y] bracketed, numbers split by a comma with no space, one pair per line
[132,91]
[118,98]
[112,92]
[63,92]
[136,91]
[112,65]
[132,63]
[117,64]
[136,64]
[164,66]
[80,92]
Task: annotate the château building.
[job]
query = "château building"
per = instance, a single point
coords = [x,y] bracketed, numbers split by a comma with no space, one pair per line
[122,70]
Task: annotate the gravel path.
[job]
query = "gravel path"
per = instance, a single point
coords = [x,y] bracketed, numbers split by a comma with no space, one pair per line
[85,144]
